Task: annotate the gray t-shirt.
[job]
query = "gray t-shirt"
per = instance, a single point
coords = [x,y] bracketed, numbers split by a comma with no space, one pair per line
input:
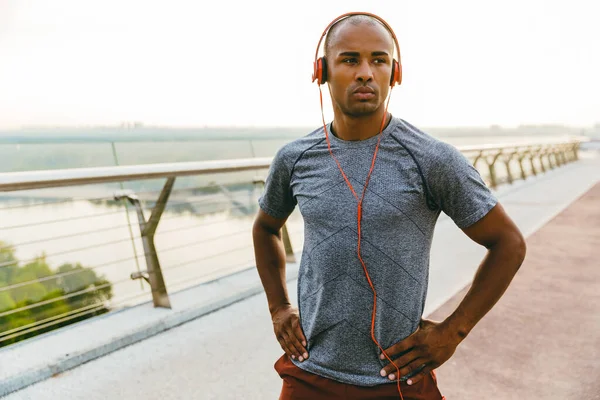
[334,297]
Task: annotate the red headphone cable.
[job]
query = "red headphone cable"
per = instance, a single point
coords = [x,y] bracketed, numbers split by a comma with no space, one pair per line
[359,218]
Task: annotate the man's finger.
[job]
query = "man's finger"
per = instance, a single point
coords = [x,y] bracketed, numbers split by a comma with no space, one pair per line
[414,379]
[401,362]
[289,345]
[402,346]
[409,357]
[291,342]
[300,334]
[284,346]
[296,343]
[413,369]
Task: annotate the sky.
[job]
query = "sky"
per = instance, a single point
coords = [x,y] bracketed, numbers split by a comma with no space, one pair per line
[249,63]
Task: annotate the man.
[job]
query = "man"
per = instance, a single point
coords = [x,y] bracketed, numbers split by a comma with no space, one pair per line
[370,188]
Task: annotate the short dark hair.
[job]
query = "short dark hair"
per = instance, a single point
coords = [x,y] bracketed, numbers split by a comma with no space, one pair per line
[354,20]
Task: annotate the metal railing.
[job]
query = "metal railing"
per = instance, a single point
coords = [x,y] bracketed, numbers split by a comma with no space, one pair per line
[519,160]
[497,164]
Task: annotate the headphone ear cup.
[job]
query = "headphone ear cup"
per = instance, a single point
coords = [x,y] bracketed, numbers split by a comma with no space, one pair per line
[396,73]
[320,71]
[317,71]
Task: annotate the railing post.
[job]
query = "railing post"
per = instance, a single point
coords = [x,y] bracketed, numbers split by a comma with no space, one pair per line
[575,151]
[568,153]
[477,158]
[520,160]
[552,157]
[492,169]
[559,155]
[153,274]
[572,152]
[531,159]
[544,155]
[540,153]
[507,159]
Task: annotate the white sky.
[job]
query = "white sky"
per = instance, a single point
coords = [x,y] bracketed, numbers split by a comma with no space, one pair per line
[236,63]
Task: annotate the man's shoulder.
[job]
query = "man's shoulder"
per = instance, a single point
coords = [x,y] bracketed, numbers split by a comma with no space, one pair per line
[422,144]
[293,150]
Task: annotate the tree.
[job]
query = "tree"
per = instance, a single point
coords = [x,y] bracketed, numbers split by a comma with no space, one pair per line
[37,307]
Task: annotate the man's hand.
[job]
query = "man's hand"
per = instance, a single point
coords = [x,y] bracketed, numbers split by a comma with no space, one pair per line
[431,345]
[286,323]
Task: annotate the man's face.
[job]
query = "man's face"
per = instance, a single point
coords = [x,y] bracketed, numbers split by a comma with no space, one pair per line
[359,66]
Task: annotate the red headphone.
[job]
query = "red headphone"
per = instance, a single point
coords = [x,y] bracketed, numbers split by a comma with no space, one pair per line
[320,64]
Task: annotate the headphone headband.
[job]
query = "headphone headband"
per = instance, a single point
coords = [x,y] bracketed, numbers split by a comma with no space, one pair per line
[350,14]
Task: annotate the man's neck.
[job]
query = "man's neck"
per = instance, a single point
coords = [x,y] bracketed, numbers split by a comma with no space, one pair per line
[358,128]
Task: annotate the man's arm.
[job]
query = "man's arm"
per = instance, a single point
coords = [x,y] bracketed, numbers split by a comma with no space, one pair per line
[434,343]
[270,263]
[506,252]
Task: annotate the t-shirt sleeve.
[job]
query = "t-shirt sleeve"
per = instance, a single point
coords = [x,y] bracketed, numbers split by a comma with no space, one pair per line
[277,199]
[459,188]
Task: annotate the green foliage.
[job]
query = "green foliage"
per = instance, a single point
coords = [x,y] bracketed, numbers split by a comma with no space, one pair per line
[46,302]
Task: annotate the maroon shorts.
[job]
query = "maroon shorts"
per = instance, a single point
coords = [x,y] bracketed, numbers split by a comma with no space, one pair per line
[299,384]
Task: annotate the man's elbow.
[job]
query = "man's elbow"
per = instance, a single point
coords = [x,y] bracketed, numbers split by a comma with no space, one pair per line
[258,228]
[264,226]
[518,247]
